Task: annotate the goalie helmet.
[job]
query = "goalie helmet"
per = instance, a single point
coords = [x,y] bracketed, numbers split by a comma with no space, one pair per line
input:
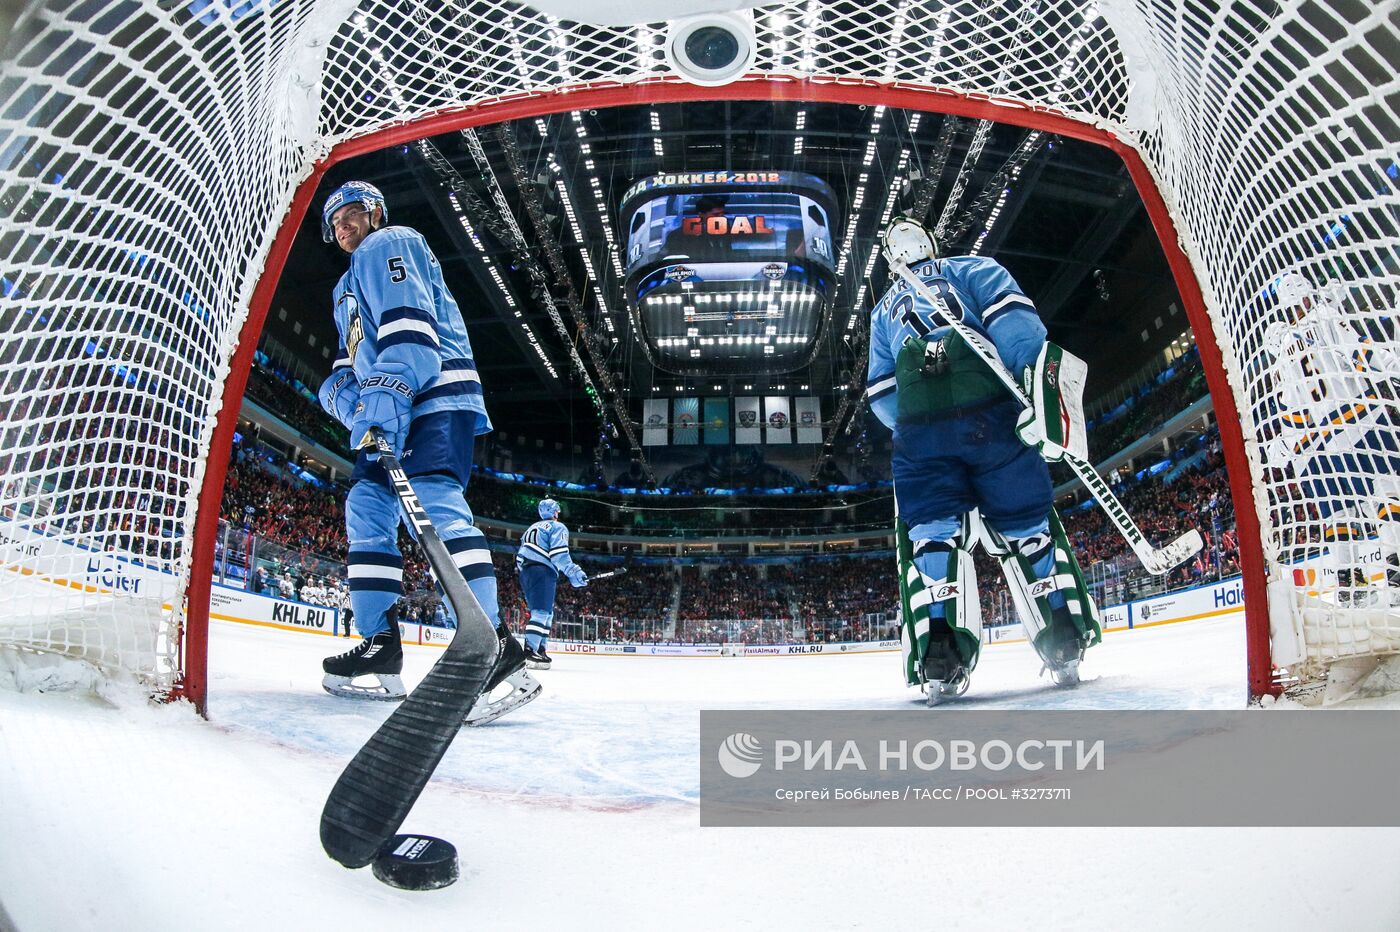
[352,192]
[908,242]
[1293,289]
[549,509]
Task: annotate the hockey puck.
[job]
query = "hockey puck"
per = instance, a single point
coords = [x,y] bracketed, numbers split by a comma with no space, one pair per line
[417,862]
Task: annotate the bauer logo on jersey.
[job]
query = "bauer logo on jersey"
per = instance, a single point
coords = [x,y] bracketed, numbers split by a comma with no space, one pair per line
[947,591]
[1041,587]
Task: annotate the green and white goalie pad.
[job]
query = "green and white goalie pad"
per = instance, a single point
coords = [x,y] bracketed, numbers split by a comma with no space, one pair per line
[1055,420]
[1031,593]
[957,592]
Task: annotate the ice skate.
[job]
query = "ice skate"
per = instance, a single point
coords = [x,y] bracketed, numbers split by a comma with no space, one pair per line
[945,676]
[380,655]
[537,659]
[1062,658]
[510,671]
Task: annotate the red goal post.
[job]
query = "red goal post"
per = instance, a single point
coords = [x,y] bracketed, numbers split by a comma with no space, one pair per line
[1248,135]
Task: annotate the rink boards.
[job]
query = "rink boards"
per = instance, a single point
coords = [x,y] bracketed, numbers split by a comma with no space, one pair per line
[68,564]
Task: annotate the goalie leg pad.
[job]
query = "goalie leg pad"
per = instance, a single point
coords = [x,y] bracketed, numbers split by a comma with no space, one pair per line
[1048,589]
[938,595]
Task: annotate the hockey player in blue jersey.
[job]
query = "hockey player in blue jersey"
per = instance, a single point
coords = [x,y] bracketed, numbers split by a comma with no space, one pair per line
[404,366]
[543,555]
[962,473]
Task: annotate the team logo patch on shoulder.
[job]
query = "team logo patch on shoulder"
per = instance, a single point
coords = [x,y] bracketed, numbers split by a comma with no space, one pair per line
[355,328]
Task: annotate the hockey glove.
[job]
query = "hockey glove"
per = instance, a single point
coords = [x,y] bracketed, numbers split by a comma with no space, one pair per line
[340,394]
[386,402]
[1054,424]
[577,577]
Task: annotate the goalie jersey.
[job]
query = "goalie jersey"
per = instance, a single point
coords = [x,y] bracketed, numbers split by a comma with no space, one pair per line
[1331,384]
[974,289]
[547,543]
[396,317]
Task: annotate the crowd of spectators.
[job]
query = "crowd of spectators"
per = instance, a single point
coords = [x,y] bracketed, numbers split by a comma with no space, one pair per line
[1149,406]
[733,590]
[296,404]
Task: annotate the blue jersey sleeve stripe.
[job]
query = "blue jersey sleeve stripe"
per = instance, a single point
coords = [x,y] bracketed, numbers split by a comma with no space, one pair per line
[1010,302]
[407,338]
[411,325]
[881,388]
[450,390]
[398,314]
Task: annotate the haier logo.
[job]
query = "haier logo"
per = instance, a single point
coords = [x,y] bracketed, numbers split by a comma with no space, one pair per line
[1231,597]
[113,575]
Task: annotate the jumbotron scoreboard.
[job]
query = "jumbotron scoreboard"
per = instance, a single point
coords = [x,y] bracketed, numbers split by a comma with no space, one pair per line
[730,272]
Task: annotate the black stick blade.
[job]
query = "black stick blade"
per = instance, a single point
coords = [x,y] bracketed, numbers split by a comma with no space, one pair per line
[382,782]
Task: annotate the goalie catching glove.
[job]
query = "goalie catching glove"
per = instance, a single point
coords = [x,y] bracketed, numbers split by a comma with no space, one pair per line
[1054,423]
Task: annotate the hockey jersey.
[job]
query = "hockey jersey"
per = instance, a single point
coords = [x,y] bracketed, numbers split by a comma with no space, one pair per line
[396,317]
[1331,384]
[973,289]
[547,543]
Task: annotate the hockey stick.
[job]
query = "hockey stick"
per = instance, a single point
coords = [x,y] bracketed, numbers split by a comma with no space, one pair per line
[380,784]
[620,571]
[1156,560]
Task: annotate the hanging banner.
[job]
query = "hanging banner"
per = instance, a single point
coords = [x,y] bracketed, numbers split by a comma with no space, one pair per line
[777,422]
[685,416]
[716,429]
[746,421]
[654,422]
[809,420]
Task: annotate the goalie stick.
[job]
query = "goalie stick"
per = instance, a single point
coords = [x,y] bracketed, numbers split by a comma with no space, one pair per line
[1156,560]
[381,783]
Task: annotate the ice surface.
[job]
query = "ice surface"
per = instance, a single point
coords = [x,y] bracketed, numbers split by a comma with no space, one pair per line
[579,812]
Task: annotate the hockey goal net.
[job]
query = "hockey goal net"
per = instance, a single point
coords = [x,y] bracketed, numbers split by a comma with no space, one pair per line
[156,158]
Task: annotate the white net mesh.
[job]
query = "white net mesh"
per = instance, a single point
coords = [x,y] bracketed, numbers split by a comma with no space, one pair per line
[150,151]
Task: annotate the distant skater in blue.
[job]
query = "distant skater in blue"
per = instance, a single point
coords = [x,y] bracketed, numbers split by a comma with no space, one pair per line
[543,555]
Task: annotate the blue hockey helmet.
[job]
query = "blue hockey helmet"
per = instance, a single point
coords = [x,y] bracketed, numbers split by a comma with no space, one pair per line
[352,192]
[549,509]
